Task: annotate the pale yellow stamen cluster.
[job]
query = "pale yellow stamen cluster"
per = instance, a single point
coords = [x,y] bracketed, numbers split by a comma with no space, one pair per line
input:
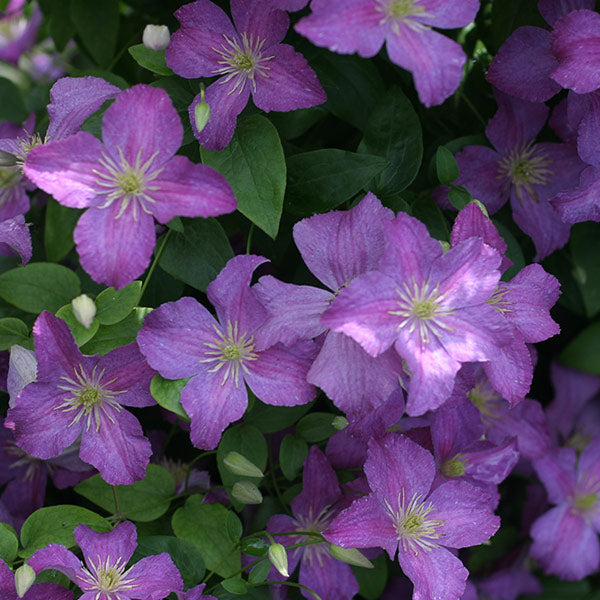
[396,12]
[312,523]
[107,578]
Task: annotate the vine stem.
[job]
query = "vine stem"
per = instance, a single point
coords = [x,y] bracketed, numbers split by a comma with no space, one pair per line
[155,262]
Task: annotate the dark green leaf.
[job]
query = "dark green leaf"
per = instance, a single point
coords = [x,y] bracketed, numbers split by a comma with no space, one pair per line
[206,526]
[393,131]
[145,500]
[9,543]
[429,213]
[255,546]
[583,352]
[235,585]
[153,60]
[197,255]
[507,15]
[12,107]
[114,305]
[316,427]
[292,454]
[80,333]
[58,230]
[185,555]
[13,331]
[270,419]
[254,165]
[372,582]
[446,166]
[97,23]
[259,572]
[459,196]
[585,248]
[58,13]
[55,524]
[39,286]
[167,393]
[320,180]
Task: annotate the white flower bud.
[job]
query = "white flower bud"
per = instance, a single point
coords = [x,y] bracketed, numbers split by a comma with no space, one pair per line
[84,310]
[246,492]
[156,37]
[24,578]
[22,370]
[278,558]
[240,465]
[351,556]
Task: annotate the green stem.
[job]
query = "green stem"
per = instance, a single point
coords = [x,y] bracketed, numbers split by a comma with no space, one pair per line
[189,471]
[117,511]
[155,262]
[472,108]
[249,242]
[291,584]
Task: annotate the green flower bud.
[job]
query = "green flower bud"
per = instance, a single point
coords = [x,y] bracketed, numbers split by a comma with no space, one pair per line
[351,556]
[246,492]
[201,112]
[24,578]
[278,558]
[84,310]
[240,465]
[339,422]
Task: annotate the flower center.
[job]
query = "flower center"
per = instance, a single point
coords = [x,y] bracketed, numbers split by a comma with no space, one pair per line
[498,302]
[313,524]
[421,309]
[242,61]
[231,350]
[584,502]
[412,523]
[125,182]
[26,144]
[89,398]
[486,399]
[31,463]
[402,11]
[523,167]
[107,578]
[455,466]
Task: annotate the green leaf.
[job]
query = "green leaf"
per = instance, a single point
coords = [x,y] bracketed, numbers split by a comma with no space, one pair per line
[393,131]
[58,14]
[113,306]
[235,585]
[316,427]
[197,255]
[583,352]
[12,107]
[446,166]
[185,555]
[428,212]
[145,500]
[167,393]
[9,543]
[153,60]
[109,337]
[372,582]
[259,572]
[320,180]
[459,196]
[39,286]
[584,244]
[507,15]
[80,333]
[269,419]
[292,454]
[97,24]
[254,165]
[206,526]
[58,230]
[55,524]
[13,331]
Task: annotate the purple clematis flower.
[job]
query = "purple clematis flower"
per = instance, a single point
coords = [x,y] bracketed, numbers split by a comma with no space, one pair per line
[38,591]
[249,59]
[403,514]
[313,510]
[182,339]
[362,26]
[126,182]
[17,32]
[105,576]
[194,594]
[77,396]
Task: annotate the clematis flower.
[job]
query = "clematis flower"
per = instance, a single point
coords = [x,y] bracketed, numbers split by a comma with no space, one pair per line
[403,514]
[182,339]
[105,575]
[249,59]
[77,396]
[17,31]
[362,26]
[194,594]
[38,591]
[126,182]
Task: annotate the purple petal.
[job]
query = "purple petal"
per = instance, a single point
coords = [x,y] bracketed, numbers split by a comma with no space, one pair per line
[523,65]
[583,202]
[117,448]
[449,14]
[174,336]
[114,249]
[157,577]
[190,190]
[56,556]
[113,546]
[16,239]
[490,463]
[552,10]
[340,245]
[14,200]
[142,123]
[435,61]
[556,470]
[66,169]
[575,44]
[564,544]
[328,577]
[289,84]
[278,375]
[257,19]
[73,100]
[588,130]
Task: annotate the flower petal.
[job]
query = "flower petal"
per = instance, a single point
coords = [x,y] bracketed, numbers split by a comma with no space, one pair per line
[113,546]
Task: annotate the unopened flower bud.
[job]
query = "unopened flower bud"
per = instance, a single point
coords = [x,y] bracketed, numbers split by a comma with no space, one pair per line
[278,558]
[84,310]
[7,159]
[240,465]
[24,578]
[351,556]
[246,492]
[339,422]
[156,37]
[201,112]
